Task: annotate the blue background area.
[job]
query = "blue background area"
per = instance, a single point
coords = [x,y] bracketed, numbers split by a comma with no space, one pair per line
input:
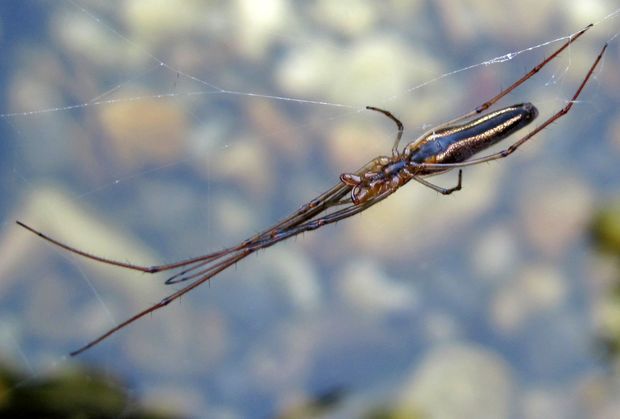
[164,162]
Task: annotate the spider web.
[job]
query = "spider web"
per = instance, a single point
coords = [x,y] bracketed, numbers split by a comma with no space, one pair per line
[150,134]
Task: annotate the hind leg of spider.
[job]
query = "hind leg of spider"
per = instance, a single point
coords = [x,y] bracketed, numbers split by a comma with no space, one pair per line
[533,71]
[398,124]
[486,105]
[443,191]
[508,151]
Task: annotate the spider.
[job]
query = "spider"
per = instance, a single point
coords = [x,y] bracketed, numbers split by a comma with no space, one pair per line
[445,147]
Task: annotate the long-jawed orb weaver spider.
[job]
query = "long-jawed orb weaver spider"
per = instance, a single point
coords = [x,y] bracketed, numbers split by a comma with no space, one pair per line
[445,147]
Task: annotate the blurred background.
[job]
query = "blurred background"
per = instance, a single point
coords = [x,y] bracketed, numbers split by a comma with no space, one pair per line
[151,131]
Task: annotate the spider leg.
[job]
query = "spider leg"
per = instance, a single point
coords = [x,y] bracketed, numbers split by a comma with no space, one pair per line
[443,191]
[146,269]
[333,217]
[330,198]
[486,105]
[164,302]
[266,239]
[533,71]
[508,151]
[398,124]
[277,236]
[211,271]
